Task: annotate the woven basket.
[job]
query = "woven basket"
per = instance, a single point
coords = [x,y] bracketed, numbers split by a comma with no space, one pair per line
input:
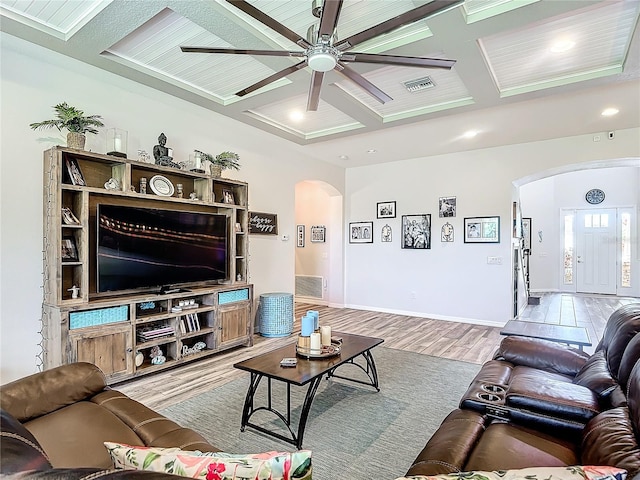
[216,171]
[76,140]
[275,314]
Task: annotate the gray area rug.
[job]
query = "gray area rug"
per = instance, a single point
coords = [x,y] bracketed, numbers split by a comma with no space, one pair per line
[354,432]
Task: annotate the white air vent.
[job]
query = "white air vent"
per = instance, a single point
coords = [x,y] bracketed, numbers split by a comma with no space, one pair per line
[419,84]
[309,286]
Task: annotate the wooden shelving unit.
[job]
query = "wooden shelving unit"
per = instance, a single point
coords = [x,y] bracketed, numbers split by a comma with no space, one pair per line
[105,329]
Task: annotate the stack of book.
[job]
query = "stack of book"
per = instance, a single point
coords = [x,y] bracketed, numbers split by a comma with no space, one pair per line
[189,323]
[148,333]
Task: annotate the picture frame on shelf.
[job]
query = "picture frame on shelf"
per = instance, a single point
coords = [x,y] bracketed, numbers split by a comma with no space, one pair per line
[386,210]
[75,174]
[482,229]
[227,196]
[361,232]
[300,236]
[68,217]
[69,249]
[526,234]
[416,231]
[318,233]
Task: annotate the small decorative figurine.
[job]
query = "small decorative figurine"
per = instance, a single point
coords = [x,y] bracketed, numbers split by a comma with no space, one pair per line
[162,153]
[143,185]
[193,196]
[179,191]
[75,291]
[156,356]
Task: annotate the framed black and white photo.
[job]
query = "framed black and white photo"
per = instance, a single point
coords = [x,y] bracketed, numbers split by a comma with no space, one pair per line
[526,234]
[318,233]
[300,236]
[386,233]
[386,210]
[227,196]
[482,230]
[416,231]
[447,207]
[69,249]
[361,232]
[75,174]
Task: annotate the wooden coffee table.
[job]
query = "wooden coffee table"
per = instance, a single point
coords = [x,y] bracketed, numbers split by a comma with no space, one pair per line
[547,331]
[307,372]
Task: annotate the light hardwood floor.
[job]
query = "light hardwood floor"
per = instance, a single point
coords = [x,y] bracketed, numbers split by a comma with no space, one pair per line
[458,341]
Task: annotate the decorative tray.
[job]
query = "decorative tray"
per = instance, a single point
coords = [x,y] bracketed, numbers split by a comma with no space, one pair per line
[327,351]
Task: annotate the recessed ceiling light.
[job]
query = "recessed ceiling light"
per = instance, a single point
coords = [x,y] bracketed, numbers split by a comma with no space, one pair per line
[562,46]
[343,157]
[609,112]
[296,115]
[470,134]
[372,150]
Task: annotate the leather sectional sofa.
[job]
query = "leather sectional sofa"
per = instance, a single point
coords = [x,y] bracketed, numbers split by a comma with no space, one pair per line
[539,403]
[56,421]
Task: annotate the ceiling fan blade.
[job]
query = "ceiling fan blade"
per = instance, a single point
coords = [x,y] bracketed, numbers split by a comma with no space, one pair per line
[235,51]
[428,10]
[369,87]
[330,14]
[399,60]
[270,22]
[314,91]
[272,78]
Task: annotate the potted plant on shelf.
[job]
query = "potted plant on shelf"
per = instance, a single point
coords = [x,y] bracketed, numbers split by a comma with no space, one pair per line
[75,121]
[224,161]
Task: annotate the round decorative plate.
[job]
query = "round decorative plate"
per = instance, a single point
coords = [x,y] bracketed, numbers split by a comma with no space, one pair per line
[594,196]
[161,186]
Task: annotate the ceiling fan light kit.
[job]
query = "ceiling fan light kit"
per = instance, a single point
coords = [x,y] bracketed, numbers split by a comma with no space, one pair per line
[323,52]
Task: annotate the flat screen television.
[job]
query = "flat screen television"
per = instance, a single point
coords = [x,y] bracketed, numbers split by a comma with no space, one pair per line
[148,248]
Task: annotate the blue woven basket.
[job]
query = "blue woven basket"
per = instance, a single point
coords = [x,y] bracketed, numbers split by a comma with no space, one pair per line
[275,314]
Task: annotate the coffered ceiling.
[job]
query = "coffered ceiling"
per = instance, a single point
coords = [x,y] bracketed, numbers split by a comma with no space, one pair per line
[510,68]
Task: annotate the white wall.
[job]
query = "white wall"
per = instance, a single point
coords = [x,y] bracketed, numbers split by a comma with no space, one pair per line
[453,280]
[33,80]
[542,200]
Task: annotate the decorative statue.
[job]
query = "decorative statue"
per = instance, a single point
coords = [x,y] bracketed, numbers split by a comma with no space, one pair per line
[162,153]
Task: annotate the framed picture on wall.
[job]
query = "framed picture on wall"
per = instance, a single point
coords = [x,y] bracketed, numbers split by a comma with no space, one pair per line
[447,207]
[482,230]
[361,232]
[386,209]
[300,236]
[318,233]
[416,231]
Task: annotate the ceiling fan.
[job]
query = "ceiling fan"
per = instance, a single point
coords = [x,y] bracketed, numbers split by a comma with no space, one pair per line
[324,52]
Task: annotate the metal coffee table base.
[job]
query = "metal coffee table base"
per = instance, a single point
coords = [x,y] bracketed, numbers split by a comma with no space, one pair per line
[295,438]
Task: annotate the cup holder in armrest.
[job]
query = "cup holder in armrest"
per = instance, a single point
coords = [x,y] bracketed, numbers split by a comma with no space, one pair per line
[489,397]
[492,388]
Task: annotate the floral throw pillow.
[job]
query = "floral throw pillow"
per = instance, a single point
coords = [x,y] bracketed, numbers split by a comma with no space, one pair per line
[212,465]
[535,473]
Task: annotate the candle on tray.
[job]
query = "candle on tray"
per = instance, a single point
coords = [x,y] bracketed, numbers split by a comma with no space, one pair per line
[307,326]
[316,318]
[304,342]
[316,346]
[325,335]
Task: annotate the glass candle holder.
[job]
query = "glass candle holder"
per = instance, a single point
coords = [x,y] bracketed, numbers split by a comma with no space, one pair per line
[117,142]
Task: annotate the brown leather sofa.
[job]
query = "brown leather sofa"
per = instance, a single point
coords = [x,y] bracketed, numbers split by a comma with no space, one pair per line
[544,404]
[58,419]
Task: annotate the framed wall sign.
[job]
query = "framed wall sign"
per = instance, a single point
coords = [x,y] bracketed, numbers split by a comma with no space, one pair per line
[482,230]
[386,210]
[300,236]
[361,232]
[318,233]
[263,223]
[416,231]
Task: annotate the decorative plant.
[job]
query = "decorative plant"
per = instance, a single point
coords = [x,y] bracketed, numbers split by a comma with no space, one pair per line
[72,119]
[227,160]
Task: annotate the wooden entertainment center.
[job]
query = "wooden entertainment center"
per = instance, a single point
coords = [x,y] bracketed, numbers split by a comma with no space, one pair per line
[118,330]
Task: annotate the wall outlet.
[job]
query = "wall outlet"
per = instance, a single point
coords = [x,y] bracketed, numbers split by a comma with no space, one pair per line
[413,295]
[494,260]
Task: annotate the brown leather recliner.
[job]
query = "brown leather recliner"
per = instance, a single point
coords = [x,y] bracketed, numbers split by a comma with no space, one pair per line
[69,411]
[482,436]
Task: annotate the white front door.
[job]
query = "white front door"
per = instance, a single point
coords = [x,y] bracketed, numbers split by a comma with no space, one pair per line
[596,251]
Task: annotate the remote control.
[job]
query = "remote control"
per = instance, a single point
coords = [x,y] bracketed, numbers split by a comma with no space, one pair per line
[289,362]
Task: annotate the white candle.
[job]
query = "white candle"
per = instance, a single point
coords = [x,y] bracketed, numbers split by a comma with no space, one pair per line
[325,334]
[316,346]
[117,144]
